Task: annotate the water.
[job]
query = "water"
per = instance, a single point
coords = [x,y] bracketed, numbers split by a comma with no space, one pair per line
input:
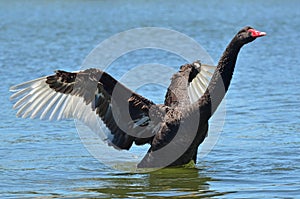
[258,152]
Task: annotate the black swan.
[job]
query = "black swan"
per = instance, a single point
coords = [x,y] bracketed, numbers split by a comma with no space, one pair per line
[174,129]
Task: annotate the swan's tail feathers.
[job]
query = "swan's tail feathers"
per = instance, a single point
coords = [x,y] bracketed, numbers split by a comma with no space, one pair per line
[199,84]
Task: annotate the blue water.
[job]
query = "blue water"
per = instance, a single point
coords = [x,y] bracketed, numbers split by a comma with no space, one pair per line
[258,152]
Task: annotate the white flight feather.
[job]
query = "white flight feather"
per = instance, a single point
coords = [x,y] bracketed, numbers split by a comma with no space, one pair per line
[32,83]
[50,105]
[36,94]
[36,98]
[57,106]
[48,96]
[20,93]
[199,84]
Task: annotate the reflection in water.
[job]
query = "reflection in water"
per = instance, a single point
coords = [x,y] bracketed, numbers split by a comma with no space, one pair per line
[161,183]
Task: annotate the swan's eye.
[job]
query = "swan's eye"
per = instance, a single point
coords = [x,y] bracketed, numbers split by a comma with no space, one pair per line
[241,35]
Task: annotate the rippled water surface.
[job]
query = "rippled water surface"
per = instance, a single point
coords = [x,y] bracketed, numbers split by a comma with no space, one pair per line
[258,152]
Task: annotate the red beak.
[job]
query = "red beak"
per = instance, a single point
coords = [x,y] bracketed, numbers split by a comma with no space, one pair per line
[256,33]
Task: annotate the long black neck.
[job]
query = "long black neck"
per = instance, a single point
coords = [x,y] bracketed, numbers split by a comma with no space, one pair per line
[225,66]
[219,83]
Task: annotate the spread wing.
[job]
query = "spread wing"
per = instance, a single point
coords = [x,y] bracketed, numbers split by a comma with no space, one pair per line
[87,96]
[200,83]
[189,84]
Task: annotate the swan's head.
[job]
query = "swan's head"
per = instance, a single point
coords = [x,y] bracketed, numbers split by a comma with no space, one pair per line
[249,34]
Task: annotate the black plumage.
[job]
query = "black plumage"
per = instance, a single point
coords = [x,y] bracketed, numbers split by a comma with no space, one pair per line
[174,129]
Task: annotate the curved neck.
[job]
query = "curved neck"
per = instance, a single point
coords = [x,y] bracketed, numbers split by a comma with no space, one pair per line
[219,82]
[225,66]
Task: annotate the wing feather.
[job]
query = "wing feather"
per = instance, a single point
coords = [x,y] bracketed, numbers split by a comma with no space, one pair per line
[50,106]
[83,95]
[200,83]
[42,103]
